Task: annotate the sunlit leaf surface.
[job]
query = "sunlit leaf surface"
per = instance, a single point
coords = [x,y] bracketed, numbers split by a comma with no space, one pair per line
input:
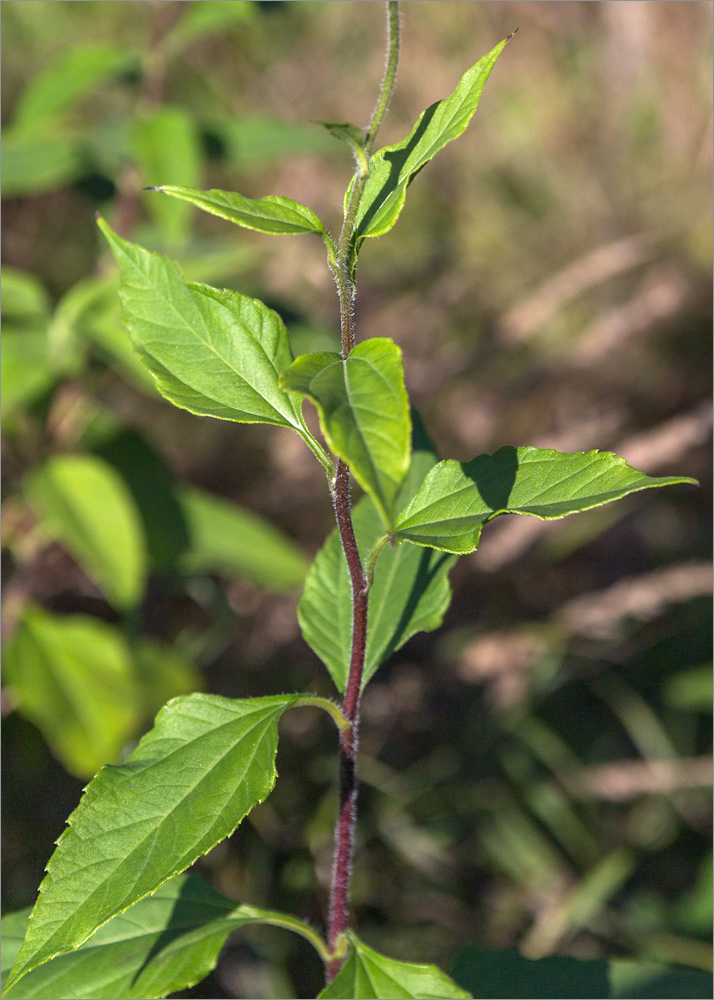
[364,413]
[457,499]
[191,780]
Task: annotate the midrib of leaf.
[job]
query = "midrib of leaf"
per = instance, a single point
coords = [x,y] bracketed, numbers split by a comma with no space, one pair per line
[368,973]
[207,204]
[222,911]
[210,346]
[298,219]
[586,470]
[390,979]
[253,755]
[189,391]
[461,111]
[430,153]
[154,830]
[227,363]
[461,115]
[490,512]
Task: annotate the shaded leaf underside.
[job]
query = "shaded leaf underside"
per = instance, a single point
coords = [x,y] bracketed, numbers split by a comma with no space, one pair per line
[164,943]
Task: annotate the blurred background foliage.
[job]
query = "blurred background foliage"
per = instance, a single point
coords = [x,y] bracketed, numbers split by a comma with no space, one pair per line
[535,774]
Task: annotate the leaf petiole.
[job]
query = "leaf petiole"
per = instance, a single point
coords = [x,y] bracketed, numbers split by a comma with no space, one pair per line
[319,453]
[289,923]
[315,701]
[374,556]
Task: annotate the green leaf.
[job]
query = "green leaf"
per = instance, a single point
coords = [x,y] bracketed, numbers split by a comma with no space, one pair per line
[189,530]
[89,313]
[280,216]
[504,973]
[167,942]
[345,132]
[209,16]
[23,297]
[646,980]
[457,499]
[167,147]
[215,353]
[12,933]
[410,591]
[191,780]
[25,371]
[690,690]
[161,673]
[254,142]
[367,975]
[308,338]
[83,503]
[353,136]
[393,167]
[226,538]
[72,676]
[154,489]
[693,910]
[33,164]
[364,413]
[56,89]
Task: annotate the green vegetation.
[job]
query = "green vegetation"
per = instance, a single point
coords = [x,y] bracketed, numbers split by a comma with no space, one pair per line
[530,774]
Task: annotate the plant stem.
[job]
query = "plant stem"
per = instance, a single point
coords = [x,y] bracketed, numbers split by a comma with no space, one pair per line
[390,75]
[344,265]
[344,277]
[347,786]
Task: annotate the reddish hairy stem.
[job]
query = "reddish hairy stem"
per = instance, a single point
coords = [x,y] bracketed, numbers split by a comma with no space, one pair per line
[344,272]
[359,590]
[345,826]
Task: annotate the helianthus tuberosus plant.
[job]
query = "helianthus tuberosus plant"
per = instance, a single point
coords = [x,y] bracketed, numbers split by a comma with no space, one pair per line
[117,914]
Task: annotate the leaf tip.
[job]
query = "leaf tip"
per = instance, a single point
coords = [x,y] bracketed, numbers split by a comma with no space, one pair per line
[509,37]
[152,188]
